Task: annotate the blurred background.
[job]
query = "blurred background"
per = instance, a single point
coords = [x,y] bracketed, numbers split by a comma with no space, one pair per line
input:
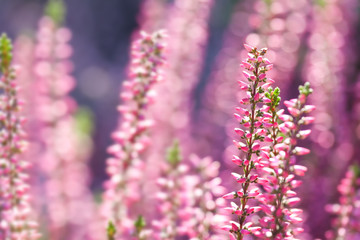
[308,40]
[101,39]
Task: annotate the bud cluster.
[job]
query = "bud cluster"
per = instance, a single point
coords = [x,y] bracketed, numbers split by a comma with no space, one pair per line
[125,167]
[254,124]
[15,210]
[267,155]
[279,198]
[346,225]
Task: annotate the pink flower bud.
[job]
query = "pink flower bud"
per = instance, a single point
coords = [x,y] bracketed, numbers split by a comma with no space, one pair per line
[238,117]
[239,131]
[253,178]
[307,120]
[309,108]
[238,178]
[231,236]
[236,160]
[235,226]
[248,48]
[301,151]
[246,64]
[266,100]
[294,111]
[293,201]
[300,170]
[255,146]
[304,133]
[246,74]
[262,76]
[243,85]
[269,67]
[229,195]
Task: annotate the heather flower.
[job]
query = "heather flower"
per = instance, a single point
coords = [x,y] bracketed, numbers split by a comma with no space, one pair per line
[185,60]
[15,209]
[346,225]
[281,26]
[277,203]
[199,215]
[170,199]
[329,67]
[250,117]
[125,167]
[172,115]
[58,148]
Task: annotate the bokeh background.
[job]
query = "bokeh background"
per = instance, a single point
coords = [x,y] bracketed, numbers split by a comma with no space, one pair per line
[101,39]
[308,40]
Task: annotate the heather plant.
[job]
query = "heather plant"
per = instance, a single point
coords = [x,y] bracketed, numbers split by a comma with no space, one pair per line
[58,148]
[332,130]
[15,211]
[170,197]
[187,198]
[173,115]
[346,225]
[200,215]
[275,162]
[250,117]
[126,165]
[283,135]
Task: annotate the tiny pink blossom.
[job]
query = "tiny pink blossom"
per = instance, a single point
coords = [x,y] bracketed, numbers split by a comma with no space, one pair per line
[301,151]
[248,48]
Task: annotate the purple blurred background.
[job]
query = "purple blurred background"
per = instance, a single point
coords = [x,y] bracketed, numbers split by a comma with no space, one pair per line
[101,39]
[102,33]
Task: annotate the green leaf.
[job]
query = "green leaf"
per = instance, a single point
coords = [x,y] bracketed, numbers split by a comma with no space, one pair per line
[111,231]
[305,89]
[173,155]
[140,224]
[356,170]
[321,3]
[84,120]
[56,10]
[5,52]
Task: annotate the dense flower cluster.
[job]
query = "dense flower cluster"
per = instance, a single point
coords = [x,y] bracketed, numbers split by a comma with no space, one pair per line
[57,148]
[250,117]
[200,216]
[15,210]
[187,198]
[125,167]
[171,195]
[347,224]
[275,162]
[280,197]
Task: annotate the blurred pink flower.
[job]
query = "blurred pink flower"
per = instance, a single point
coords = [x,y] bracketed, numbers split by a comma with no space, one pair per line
[126,166]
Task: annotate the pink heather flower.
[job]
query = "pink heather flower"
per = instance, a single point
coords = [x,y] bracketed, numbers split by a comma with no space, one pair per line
[335,122]
[185,16]
[15,209]
[199,215]
[60,176]
[301,151]
[170,199]
[126,167]
[346,225]
[250,118]
[280,218]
